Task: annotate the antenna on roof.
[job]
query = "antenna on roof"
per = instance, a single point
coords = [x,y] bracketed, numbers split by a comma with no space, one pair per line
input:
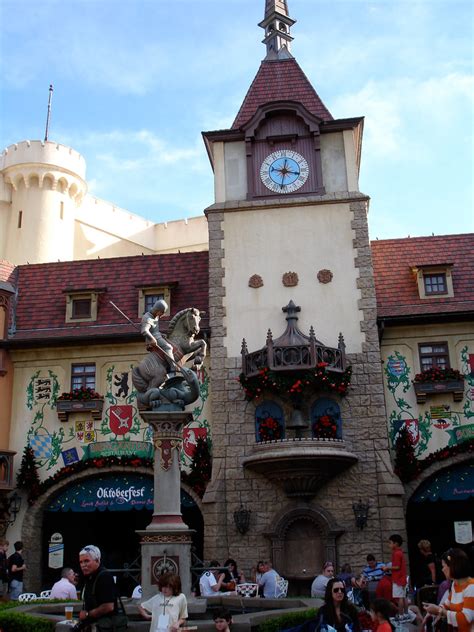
[48,117]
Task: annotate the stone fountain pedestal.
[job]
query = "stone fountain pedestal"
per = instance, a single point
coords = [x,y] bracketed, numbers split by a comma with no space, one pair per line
[166,542]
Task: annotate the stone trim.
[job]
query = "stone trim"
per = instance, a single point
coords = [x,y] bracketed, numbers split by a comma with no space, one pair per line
[435,468]
[302,200]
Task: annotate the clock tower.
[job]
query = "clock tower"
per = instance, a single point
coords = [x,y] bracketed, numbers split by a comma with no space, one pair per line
[289,229]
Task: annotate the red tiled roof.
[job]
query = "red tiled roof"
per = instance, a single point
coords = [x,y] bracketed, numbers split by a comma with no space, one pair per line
[396,285]
[280,80]
[41,307]
[6,271]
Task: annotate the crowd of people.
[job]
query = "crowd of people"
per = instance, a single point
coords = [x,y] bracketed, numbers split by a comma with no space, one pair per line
[381,591]
[373,599]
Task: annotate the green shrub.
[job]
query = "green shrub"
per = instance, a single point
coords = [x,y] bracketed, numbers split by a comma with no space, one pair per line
[288,620]
[19,622]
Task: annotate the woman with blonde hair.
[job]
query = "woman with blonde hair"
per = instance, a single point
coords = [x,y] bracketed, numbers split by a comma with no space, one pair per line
[429,563]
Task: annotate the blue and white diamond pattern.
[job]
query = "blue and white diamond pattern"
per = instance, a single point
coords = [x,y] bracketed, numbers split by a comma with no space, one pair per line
[41,446]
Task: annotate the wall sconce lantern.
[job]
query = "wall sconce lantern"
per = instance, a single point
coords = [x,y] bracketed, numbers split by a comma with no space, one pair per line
[9,509]
[361,513]
[242,519]
[14,506]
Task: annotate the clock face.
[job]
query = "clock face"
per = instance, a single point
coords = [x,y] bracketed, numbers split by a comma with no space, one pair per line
[160,565]
[284,171]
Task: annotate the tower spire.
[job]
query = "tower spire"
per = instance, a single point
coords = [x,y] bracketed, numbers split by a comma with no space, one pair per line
[277,25]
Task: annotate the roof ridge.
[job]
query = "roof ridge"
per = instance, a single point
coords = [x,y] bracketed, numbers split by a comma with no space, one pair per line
[427,237]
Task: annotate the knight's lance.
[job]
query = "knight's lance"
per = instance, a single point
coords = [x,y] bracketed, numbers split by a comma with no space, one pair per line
[169,358]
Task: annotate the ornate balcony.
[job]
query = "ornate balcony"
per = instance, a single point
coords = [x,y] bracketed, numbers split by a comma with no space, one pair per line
[293,351]
[300,466]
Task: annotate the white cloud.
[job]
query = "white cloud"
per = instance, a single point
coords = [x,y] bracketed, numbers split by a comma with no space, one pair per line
[393,110]
[137,150]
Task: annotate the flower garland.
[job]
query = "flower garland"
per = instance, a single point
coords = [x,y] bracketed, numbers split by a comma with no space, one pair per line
[413,467]
[83,394]
[438,375]
[269,430]
[325,427]
[296,383]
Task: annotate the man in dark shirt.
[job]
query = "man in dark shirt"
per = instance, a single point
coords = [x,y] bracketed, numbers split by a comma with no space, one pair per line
[99,594]
[16,566]
[3,567]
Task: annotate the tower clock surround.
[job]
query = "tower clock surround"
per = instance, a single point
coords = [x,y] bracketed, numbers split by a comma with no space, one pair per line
[284,171]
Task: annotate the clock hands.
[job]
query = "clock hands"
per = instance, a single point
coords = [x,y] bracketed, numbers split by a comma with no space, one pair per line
[284,171]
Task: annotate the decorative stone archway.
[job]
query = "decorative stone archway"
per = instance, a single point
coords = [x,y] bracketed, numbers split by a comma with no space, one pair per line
[435,468]
[33,521]
[288,533]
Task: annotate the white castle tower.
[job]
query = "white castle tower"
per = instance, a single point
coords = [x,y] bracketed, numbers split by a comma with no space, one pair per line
[41,185]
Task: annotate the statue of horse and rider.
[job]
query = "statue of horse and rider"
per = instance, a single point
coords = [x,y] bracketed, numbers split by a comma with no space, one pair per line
[166,358]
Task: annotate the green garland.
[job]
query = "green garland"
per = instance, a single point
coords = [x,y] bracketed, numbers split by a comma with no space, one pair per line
[198,481]
[409,467]
[295,383]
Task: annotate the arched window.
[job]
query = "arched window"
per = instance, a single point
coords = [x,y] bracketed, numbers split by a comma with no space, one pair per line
[326,420]
[269,422]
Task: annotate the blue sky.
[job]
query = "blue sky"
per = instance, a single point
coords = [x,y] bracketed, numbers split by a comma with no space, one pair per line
[136,81]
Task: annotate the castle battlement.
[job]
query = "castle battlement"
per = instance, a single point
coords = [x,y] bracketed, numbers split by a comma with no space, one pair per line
[32,152]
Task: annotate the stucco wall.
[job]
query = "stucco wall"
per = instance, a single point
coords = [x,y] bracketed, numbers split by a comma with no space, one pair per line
[333,162]
[439,422]
[235,171]
[270,242]
[35,420]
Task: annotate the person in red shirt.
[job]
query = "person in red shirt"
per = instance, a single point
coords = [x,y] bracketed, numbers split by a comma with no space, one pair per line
[399,572]
[381,610]
[383,589]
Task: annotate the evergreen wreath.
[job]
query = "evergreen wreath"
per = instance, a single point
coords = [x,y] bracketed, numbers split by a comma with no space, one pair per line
[296,382]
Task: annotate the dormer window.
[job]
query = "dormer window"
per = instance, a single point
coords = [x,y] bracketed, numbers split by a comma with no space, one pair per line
[81,308]
[147,296]
[434,281]
[81,305]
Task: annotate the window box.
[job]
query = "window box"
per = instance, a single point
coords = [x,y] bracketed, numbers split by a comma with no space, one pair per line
[66,406]
[426,389]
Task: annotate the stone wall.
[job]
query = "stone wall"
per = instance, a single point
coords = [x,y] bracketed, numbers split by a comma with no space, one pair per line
[364,432]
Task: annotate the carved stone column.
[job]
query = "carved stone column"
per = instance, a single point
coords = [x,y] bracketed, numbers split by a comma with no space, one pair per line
[166,542]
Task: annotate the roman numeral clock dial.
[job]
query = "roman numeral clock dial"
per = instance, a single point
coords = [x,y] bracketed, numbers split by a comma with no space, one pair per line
[284,171]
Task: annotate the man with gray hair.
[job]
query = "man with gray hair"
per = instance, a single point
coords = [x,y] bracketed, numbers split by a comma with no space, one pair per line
[99,594]
[150,329]
[65,588]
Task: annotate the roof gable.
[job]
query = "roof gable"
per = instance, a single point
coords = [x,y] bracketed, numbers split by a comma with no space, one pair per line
[280,80]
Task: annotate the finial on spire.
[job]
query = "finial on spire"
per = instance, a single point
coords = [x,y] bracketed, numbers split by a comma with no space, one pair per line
[277,24]
[48,116]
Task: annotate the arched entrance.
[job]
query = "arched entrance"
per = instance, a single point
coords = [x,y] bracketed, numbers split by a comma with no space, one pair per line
[440,501]
[106,509]
[314,527]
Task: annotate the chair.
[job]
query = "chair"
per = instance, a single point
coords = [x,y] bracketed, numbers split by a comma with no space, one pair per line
[428,594]
[45,594]
[24,597]
[281,588]
[247,590]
